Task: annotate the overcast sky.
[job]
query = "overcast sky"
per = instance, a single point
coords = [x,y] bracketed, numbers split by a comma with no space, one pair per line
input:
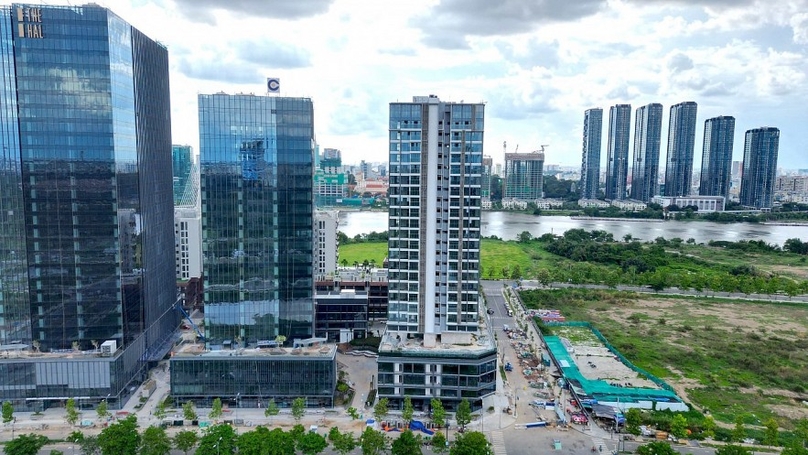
[537,64]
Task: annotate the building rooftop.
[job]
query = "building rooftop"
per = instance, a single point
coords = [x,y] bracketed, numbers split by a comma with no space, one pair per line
[445,344]
[312,347]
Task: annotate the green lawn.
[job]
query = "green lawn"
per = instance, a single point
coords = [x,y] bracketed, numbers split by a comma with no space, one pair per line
[359,252]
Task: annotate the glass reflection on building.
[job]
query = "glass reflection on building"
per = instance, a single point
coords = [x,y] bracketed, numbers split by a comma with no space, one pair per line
[257,163]
[85,196]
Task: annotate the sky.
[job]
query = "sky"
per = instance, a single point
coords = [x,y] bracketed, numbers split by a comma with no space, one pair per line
[537,64]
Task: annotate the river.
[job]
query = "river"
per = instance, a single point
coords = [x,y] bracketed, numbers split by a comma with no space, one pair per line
[508,225]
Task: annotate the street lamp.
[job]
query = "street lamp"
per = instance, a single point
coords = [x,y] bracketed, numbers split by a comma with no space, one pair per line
[218,449]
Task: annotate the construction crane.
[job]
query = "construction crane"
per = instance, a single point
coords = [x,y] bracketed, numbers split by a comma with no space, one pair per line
[543,147]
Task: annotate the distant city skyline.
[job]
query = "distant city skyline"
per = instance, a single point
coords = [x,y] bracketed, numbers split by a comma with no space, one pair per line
[537,67]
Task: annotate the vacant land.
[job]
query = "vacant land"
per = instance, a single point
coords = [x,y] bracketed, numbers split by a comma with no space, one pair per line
[727,357]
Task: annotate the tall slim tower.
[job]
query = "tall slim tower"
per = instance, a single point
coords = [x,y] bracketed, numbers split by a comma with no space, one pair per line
[617,151]
[681,140]
[436,153]
[590,158]
[716,158]
[257,164]
[647,139]
[87,290]
[435,332]
[760,150]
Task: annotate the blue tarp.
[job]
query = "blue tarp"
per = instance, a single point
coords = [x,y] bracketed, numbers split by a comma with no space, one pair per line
[417,425]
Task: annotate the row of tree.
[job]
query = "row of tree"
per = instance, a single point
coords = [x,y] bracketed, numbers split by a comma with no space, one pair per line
[124,438]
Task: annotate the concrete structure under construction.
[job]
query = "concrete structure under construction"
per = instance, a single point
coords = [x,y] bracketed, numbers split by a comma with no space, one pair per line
[524,176]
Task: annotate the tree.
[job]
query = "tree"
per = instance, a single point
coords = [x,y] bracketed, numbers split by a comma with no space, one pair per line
[160,410]
[71,413]
[280,443]
[732,449]
[794,449]
[708,427]
[633,421]
[271,410]
[218,440]
[155,441]
[311,443]
[25,444]
[89,445]
[298,408]
[120,438]
[770,434]
[543,277]
[185,440]
[372,442]
[8,412]
[524,237]
[102,410]
[438,412]
[343,443]
[679,426]
[656,448]
[438,442]
[408,411]
[516,273]
[463,415]
[381,409]
[406,444]
[189,411]
[353,412]
[801,430]
[216,409]
[471,443]
[739,432]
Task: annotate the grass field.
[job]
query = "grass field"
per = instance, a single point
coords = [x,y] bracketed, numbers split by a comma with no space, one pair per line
[359,252]
[723,356]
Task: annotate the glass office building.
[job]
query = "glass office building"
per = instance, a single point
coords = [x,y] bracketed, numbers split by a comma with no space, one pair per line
[257,164]
[86,291]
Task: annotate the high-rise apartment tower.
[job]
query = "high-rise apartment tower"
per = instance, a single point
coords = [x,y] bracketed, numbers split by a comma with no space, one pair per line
[647,138]
[716,157]
[681,140]
[760,150]
[590,157]
[617,151]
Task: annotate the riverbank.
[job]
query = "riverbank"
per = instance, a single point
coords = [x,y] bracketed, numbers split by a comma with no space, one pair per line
[604,218]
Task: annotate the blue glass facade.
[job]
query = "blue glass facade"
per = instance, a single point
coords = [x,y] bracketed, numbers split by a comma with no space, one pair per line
[590,157]
[647,140]
[257,165]
[716,158]
[617,151]
[760,150]
[86,189]
[681,141]
[182,162]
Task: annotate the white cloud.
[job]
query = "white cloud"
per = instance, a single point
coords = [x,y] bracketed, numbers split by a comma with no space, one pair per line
[538,64]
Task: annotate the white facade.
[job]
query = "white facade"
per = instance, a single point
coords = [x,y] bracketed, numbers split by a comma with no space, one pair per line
[629,205]
[436,152]
[188,242]
[704,203]
[593,203]
[325,242]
